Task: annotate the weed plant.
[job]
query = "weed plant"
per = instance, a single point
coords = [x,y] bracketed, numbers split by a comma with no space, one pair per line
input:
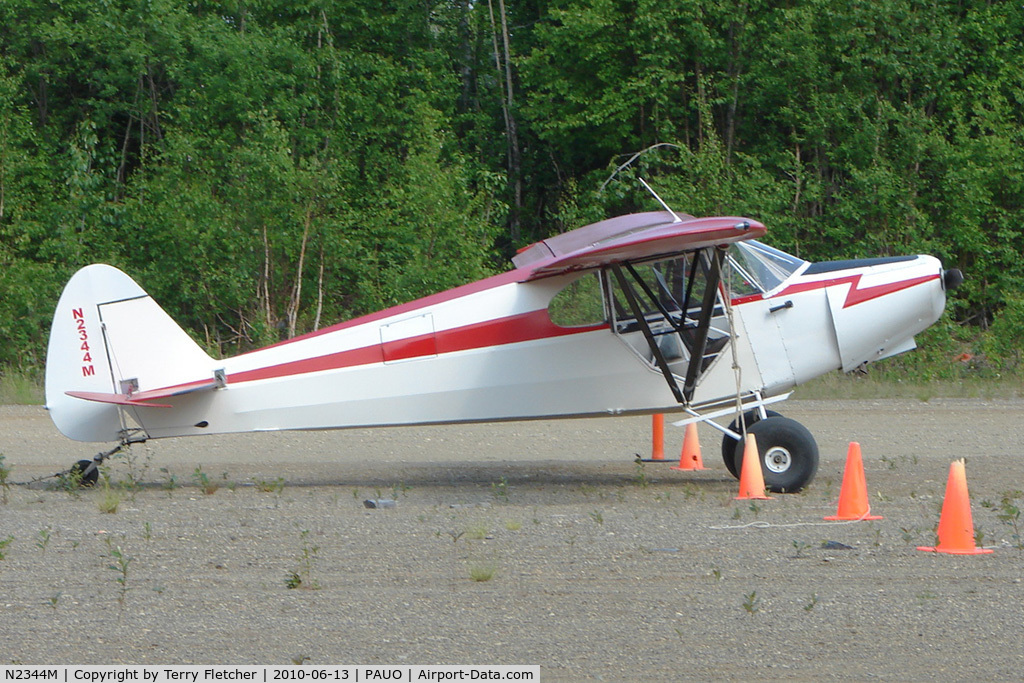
[273,486]
[1009,513]
[752,603]
[5,485]
[203,482]
[481,571]
[170,481]
[43,538]
[640,474]
[119,563]
[70,482]
[500,490]
[302,577]
[3,546]
[110,500]
[137,469]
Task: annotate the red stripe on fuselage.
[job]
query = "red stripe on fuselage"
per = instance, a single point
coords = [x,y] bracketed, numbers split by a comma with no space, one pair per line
[853,297]
[524,327]
[411,347]
[432,300]
[857,296]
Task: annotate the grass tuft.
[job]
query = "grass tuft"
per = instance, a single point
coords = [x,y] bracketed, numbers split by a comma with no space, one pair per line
[20,388]
[483,571]
[110,501]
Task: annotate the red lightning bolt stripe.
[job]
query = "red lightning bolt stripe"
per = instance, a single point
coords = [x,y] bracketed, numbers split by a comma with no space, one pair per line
[856,295]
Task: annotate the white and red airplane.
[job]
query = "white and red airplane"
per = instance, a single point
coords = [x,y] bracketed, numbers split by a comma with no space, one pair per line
[643,313]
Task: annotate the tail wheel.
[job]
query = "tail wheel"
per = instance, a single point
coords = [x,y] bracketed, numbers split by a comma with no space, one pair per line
[729,443]
[787,452]
[86,472]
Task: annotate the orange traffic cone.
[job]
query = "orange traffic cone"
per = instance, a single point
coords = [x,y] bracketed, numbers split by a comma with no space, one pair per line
[956,528]
[853,496]
[751,477]
[689,458]
[657,436]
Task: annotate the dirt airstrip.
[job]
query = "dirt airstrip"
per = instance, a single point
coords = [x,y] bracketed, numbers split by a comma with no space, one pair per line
[530,543]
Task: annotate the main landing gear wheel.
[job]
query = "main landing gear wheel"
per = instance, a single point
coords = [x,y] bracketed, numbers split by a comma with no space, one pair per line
[729,443]
[86,472]
[787,452]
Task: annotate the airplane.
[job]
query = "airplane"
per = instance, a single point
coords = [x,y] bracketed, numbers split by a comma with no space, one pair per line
[644,313]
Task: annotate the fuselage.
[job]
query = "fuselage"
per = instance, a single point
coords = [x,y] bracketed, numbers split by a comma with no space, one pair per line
[491,351]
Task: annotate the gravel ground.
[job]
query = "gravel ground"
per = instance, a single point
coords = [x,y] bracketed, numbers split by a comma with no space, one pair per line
[601,570]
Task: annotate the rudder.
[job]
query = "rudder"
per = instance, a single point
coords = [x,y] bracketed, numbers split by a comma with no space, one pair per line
[109,337]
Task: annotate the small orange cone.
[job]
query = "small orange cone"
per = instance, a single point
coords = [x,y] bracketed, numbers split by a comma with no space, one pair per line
[689,458]
[956,528]
[751,477]
[657,436]
[853,496]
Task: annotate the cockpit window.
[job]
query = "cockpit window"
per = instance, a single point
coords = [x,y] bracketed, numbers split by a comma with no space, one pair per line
[758,267]
[579,304]
[660,307]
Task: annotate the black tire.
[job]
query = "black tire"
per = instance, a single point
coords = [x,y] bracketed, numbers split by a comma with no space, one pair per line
[85,476]
[729,443]
[788,453]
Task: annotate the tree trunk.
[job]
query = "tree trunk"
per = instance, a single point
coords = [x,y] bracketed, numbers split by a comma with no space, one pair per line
[296,298]
[264,290]
[511,134]
[319,292]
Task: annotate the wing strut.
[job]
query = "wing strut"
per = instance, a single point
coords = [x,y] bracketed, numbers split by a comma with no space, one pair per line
[703,324]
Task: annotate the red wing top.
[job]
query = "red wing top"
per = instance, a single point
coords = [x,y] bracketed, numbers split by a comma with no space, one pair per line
[630,238]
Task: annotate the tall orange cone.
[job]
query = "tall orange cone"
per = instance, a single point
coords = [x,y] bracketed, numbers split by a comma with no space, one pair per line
[956,528]
[689,457]
[751,477]
[658,436]
[853,496]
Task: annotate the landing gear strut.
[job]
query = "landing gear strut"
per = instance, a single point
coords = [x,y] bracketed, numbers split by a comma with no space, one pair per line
[87,472]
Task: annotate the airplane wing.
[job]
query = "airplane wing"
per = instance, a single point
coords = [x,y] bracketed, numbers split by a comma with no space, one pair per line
[630,238]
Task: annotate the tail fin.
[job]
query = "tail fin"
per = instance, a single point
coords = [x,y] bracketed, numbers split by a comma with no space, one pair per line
[109,339]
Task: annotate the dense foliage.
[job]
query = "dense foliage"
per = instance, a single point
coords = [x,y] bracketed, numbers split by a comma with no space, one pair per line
[263,167]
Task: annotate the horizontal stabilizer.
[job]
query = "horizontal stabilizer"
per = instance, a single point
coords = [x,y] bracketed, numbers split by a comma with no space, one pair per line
[114,399]
[145,398]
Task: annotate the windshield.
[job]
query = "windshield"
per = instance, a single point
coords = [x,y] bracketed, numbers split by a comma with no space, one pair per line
[760,268]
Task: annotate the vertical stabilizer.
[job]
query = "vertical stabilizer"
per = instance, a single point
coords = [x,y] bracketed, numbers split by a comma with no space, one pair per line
[109,337]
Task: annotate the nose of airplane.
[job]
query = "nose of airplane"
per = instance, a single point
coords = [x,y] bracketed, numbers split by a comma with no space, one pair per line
[952,278]
[879,307]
